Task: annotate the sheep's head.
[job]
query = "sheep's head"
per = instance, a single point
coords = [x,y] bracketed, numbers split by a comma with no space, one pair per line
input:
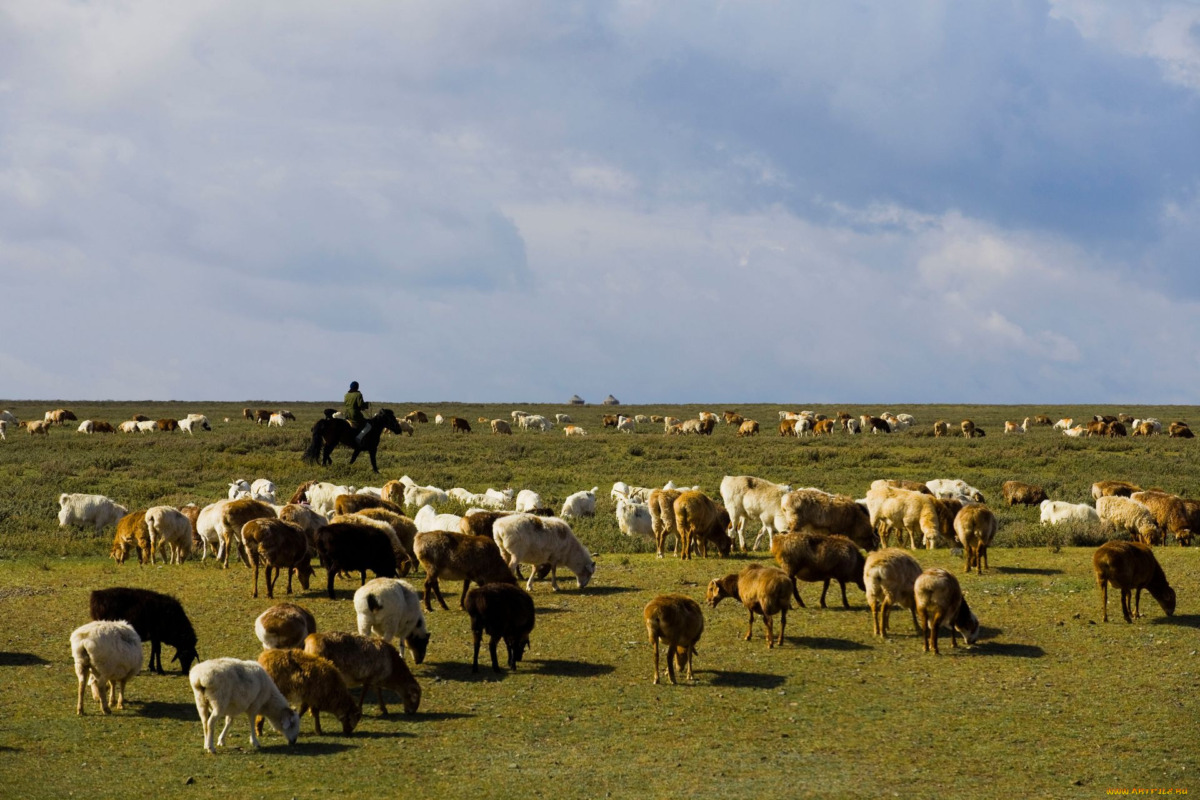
[304,573]
[585,575]
[289,725]
[186,656]
[1167,601]
[715,593]
[516,646]
[418,643]
[411,695]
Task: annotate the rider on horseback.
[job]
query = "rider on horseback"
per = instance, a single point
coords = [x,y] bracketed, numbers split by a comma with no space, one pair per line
[354,405]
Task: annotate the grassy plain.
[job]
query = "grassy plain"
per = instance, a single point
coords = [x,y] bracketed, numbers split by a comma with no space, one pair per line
[1052,701]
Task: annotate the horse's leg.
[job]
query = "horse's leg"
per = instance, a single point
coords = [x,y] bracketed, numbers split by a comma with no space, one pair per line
[374,466]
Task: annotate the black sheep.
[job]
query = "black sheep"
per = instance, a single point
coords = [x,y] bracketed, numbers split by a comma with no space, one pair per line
[503,611]
[346,546]
[156,617]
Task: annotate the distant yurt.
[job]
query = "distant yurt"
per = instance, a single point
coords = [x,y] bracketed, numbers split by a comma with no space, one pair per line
[611,401]
[576,400]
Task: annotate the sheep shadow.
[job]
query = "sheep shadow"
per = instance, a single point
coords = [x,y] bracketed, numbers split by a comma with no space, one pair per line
[569,669]
[361,734]
[155,709]
[601,591]
[744,680]
[1026,570]
[21,660]
[828,643]
[1181,620]
[461,672]
[1009,649]
[437,716]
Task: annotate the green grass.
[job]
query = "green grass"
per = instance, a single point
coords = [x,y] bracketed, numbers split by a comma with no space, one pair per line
[1053,701]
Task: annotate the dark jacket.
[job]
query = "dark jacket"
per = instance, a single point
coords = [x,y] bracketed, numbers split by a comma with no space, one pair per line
[354,405]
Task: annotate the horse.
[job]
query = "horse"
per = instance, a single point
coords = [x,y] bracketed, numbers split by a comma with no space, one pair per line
[329,433]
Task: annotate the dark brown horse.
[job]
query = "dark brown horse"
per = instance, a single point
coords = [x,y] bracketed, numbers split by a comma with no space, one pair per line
[329,433]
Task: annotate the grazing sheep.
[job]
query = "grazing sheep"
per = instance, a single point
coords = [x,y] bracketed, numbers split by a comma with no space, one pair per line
[747,428]
[283,626]
[110,653]
[353,503]
[224,687]
[278,546]
[503,611]
[355,546]
[900,511]
[968,429]
[418,496]
[88,509]
[1131,567]
[747,497]
[1025,494]
[975,528]
[166,425]
[816,557]
[763,590]
[580,504]
[939,601]
[1055,512]
[787,427]
[417,416]
[170,532]
[368,661]
[698,521]
[391,609]
[312,682]
[132,532]
[157,618]
[1113,489]
[678,621]
[574,430]
[1130,517]
[458,556]
[1179,430]
[322,496]
[87,426]
[1175,515]
[1012,427]
[530,539]
[941,428]
[501,426]
[889,576]
[815,511]
[38,427]
[459,425]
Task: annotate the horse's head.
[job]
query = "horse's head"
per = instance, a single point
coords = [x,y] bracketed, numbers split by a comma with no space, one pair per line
[388,420]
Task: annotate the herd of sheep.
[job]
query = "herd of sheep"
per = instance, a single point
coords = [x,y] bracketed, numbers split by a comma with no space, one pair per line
[395,529]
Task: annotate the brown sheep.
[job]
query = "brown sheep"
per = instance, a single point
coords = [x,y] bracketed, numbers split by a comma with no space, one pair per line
[314,683]
[787,427]
[368,661]
[823,427]
[459,425]
[353,503]
[656,418]
[938,600]
[678,621]
[132,532]
[499,426]
[610,420]
[502,611]
[192,512]
[100,426]
[38,427]
[1179,430]
[306,519]
[1116,429]
[1097,428]
[877,424]
[1105,418]
[975,528]
[479,523]
[406,531]
[662,517]
[912,486]
[732,418]
[699,521]
[167,424]
[814,511]
[458,556]
[747,428]
[1113,489]
[815,557]
[1146,428]
[1130,567]
[1026,494]
[234,516]
[247,413]
[763,590]
[277,545]
[1042,419]
[1173,514]
[284,626]
[416,416]
[889,576]
[968,429]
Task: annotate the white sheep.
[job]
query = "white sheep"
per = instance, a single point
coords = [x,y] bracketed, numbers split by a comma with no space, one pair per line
[889,576]
[275,420]
[209,525]
[146,426]
[88,509]
[391,609]
[322,496]
[634,518]
[374,491]
[536,422]
[87,426]
[129,426]
[263,490]
[3,429]
[424,495]
[224,687]
[439,419]
[528,501]
[1132,517]
[563,419]
[747,497]
[110,653]
[170,532]
[426,519]
[530,539]
[581,504]
[626,424]
[620,489]
[7,416]
[239,488]
[954,489]
[1055,512]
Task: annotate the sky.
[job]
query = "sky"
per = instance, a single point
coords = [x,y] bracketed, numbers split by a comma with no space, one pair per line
[712,201]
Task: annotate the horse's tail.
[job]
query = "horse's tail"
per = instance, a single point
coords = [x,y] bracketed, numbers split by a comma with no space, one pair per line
[314,447]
